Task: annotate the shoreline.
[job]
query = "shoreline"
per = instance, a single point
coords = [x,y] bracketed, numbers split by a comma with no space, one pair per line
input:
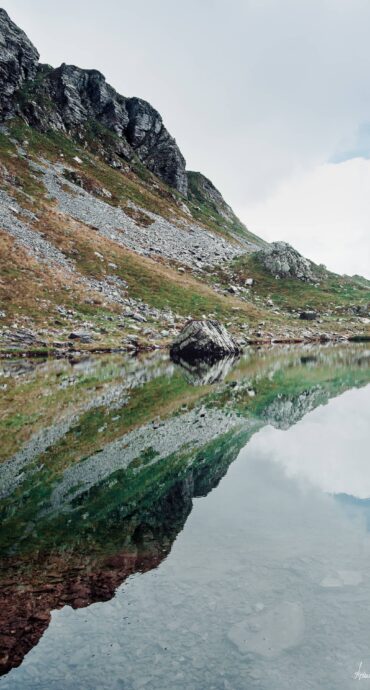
[65,352]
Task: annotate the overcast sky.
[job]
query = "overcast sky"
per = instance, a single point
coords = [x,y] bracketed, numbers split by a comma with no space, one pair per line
[268,98]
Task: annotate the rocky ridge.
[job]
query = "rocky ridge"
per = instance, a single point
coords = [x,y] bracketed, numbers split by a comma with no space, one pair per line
[80,102]
[100,223]
[202,189]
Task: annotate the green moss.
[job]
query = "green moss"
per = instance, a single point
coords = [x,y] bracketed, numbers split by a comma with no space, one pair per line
[18,421]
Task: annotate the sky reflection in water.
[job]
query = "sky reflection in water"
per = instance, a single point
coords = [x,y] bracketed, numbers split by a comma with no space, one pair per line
[267,586]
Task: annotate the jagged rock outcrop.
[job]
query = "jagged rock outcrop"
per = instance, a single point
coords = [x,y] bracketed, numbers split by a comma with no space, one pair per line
[201,189]
[203,339]
[81,103]
[84,105]
[282,260]
[18,61]
[154,146]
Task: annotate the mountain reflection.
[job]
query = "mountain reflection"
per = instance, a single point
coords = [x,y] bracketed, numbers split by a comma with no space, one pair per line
[202,372]
[98,487]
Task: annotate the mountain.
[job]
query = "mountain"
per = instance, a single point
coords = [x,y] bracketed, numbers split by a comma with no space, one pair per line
[108,241]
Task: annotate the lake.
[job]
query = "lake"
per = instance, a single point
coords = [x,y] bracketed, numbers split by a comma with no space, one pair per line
[186,527]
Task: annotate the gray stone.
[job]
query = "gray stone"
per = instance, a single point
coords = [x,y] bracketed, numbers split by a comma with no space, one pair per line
[204,373]
[308,315]
[283,261]
[82,337]
[203,339]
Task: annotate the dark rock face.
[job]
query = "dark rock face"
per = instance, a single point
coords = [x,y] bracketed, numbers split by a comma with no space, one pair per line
[18,61]
[154,146]
[283,261]
[203,340]
[80,103]
[308,316]
[84,105]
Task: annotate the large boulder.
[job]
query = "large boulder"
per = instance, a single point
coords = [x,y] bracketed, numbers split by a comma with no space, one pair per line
[283,261]
[308,315]
[18,61]
[203,340]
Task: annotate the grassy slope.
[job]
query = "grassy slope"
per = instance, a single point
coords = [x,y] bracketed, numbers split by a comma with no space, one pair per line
[157,284]
[332,291]
[30,292]
[333,297]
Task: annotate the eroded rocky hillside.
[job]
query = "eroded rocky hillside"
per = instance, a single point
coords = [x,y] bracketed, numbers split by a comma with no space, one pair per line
[107,241]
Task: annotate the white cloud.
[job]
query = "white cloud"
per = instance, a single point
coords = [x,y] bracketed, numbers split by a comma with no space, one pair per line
[324,213]
[328,448]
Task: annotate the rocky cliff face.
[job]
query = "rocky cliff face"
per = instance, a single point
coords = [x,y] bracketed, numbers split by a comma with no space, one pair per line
[81,103]
[18,61]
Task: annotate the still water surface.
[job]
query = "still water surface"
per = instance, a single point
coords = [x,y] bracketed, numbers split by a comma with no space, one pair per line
[189,529]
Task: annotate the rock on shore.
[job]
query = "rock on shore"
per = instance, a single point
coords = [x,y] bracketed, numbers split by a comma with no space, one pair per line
[206,339]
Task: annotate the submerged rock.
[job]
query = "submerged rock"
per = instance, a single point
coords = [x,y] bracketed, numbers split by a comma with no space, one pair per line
[206,339]
[269,633]
[283,261]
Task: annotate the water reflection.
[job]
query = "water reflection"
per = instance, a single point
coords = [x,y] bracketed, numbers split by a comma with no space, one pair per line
[101,489]
[203,372]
